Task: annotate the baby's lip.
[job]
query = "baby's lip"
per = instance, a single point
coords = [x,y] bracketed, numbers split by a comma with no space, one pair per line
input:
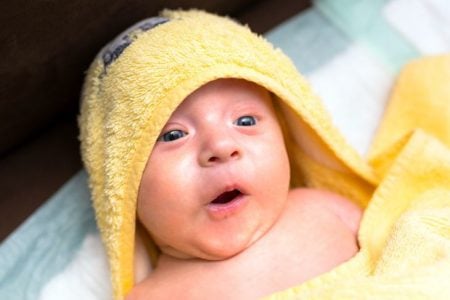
[226,203]
[227,195]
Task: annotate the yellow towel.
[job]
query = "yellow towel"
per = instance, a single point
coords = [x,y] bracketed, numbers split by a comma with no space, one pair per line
[405,231]
[138,80]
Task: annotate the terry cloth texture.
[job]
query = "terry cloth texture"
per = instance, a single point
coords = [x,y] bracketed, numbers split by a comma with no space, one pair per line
[129,96]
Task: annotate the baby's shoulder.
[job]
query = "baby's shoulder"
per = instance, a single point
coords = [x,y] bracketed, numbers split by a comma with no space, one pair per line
[317,197]
[319,201]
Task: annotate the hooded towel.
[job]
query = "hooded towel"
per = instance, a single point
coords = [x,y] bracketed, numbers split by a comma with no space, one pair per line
[138,80]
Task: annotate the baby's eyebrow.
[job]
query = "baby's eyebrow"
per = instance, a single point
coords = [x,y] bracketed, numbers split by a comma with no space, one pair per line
[251,105]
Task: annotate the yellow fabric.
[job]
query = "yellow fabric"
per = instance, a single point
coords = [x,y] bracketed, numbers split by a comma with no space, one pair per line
[126,102]
[405,231]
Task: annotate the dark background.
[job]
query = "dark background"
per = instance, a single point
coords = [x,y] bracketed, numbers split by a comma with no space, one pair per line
[46,46]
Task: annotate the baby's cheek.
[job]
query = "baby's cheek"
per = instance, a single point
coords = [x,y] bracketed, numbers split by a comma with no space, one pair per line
[143,212]
[278,160]
[152,222]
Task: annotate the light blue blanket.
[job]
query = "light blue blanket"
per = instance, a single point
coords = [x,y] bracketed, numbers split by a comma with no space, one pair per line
[42,246]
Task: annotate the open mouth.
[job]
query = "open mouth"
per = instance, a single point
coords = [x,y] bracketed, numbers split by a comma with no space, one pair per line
[227,204]
[227,197]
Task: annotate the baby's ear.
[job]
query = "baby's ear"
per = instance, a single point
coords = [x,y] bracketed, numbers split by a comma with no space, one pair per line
[142,257]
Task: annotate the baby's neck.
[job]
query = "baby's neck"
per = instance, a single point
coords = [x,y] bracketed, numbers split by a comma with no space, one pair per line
[168,261]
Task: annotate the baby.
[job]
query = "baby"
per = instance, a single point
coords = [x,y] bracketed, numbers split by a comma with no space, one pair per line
[215,197]
[204,137]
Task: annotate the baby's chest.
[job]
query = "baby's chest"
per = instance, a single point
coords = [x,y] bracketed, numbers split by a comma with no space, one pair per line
[286,257]
[294,251]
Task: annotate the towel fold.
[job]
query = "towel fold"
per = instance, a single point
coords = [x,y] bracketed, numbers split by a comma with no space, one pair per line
[405,231]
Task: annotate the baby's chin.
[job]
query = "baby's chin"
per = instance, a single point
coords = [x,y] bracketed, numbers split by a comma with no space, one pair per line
[213,251]
[212,255]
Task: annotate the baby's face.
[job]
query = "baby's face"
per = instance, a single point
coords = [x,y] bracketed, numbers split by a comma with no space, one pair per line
[218,176]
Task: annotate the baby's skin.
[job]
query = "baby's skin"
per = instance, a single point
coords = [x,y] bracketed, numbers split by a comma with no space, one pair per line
[215,198]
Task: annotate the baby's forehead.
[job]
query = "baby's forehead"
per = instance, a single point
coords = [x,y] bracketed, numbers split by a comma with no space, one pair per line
[222,94]
[228,87]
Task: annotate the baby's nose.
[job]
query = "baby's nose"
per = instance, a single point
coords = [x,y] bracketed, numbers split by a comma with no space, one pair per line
[219,149]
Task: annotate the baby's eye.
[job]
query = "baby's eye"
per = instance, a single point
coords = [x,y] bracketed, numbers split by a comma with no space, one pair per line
[172,135]
[246,121]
